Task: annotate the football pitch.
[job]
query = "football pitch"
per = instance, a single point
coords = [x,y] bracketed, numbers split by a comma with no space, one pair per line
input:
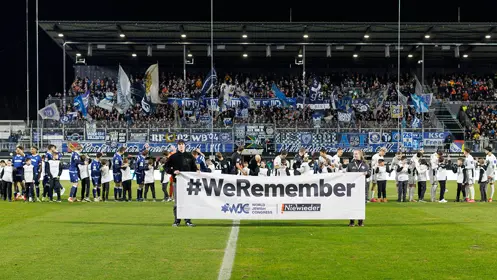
[136,241]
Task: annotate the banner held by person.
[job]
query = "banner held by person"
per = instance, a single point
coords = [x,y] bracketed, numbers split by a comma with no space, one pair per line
[321,197]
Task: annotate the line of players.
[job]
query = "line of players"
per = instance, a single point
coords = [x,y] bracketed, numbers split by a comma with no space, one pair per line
[25,172]
[416,170]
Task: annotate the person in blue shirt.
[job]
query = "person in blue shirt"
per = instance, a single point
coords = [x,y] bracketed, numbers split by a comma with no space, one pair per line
[117,167]
[141,166]
[74,171]
[200,162]
[36,162]
[96,176]
[18,162]
[51,151]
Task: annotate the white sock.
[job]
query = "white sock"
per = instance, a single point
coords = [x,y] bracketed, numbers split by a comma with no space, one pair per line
[372,194]
[467,191]
[472,190]
[434,192]
[411,193]
[492,189]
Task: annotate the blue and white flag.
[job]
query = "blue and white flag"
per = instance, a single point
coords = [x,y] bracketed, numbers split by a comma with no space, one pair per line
[209,82]
[344,117]
[419,104]
[108,102]
[280,95]
[315,91]
[81,103]
[50,112]
[416,123]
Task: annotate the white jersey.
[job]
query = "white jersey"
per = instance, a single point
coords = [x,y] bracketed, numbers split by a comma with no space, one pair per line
[126,173]
[305,169]
[279,167]
[335,160]
[83,171]
[469,165]
[403,174]
[245,170]
[149,175]
[262,172]
[374,160]
[441,173]
[7,174]
[422,169]
[491,162]
[434,161]
[381,173]
[460,175]
[54,166]
[106,177]
[28,173]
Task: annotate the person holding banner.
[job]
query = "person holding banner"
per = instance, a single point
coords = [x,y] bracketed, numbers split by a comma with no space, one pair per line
[237,161]
[181,161]
[254,166]
[280,165]
[358,164]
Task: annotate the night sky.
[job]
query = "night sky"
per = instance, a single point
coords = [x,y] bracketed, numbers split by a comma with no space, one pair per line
[13,27]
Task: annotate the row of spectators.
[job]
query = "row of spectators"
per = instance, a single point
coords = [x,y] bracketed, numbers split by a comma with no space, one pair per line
[452,87]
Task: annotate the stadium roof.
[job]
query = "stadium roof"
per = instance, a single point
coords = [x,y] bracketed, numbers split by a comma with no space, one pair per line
[478,40]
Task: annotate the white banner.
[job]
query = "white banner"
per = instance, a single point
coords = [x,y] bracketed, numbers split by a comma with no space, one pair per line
[344,117]
[324,196]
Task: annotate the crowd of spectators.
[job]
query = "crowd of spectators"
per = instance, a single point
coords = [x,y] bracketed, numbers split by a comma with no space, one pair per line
[337,85]
[483,126]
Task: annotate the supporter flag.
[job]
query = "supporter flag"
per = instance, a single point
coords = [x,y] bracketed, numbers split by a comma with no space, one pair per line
[396,111]
[344,117]
[416,123]
[123,92]
[50,112]
[419,104]
[108,102]
[418,89]
[280,95]
[402,98]
[81,103]
[152,83]
[146,107]
[209,82]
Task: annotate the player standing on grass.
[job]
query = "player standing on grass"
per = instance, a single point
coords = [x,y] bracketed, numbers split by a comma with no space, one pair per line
[51,151]
[74,171]
[28,179]
[141,166]
[491,162]
[433,174]
[96,176]
[36,161]
[84,176]
[54,167]
[181,161]
[413,173]
[18,163]
[117,167]
[469,169]
[358,164]
[374,165]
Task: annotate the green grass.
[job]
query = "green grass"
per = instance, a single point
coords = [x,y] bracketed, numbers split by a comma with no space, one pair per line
[136,241]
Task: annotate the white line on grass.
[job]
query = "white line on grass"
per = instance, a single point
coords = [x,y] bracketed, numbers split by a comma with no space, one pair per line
[229,253]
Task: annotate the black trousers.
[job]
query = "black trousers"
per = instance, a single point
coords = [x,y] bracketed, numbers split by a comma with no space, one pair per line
[421,190]
[127,189]
[85,188]
[30,190]
[402,193]
[382,189]
[7,190]
[483,191]
[460,189]
[46,187]
[150,186]
[105,191]
[442,189]
[164,190]
[55,186]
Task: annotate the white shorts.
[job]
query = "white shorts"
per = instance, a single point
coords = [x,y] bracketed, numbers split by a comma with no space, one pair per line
[470,180]
[412,179]
[491,180]
[433,179]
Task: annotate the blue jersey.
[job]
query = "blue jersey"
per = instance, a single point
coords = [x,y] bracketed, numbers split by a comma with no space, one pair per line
[140,166]
[117,162]
[18,161]
[75,161]
[36,162]
[95,168]
[200,159]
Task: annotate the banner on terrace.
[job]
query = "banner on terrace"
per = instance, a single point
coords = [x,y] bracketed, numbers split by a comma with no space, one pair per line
[320,197]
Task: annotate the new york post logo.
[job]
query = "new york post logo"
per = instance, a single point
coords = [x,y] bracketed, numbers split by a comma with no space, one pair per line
[239,208]
[300,208]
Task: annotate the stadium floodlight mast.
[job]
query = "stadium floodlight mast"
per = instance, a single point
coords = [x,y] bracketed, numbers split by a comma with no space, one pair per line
[306,33]
[182,31]
[244,32]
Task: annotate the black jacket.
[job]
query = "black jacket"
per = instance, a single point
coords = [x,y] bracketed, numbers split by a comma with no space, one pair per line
[182,162]
[253,167]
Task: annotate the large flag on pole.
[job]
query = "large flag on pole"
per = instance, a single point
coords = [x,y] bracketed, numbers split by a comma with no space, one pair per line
[281,96]
[123,92]
[152,83]
[418,89]
[81,103]
[108,102]
[209,82]
[50,112]
[402,98]
[419,104]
